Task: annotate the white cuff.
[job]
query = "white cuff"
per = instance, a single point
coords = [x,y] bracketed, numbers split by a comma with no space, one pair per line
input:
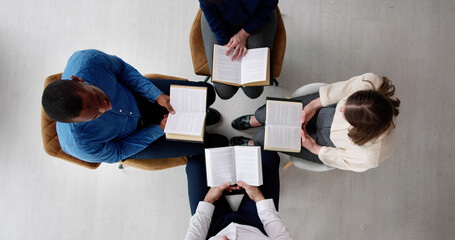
[266,204]
[206,208]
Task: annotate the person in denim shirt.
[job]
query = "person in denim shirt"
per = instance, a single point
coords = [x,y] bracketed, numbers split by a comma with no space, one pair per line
[106,111]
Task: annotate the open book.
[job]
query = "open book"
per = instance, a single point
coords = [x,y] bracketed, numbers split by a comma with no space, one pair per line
[282,125]
[188,121]
[231,164]
[250,70]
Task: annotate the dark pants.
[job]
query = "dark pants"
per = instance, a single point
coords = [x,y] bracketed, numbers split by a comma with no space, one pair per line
[318,127]
[247,212]
[263,37]
[152,113]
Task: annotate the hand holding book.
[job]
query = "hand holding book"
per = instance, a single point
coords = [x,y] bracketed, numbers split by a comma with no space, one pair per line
[215,192]
[309,110]
[165,101]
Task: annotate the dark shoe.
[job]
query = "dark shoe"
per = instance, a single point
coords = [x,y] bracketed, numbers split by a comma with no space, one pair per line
[213,117]
[241,123]
[212,140]
[242,141]
[275,82]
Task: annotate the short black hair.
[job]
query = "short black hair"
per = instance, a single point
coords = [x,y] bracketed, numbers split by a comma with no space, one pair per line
[61,100]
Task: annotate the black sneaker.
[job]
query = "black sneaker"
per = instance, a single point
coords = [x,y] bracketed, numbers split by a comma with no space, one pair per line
[213,117]
[239,140]
[241,123]
[213,140]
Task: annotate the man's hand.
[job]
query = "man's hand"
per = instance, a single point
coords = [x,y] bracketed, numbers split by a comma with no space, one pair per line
[308,142]
[238,45]
[309,110]
[253,192]
[216,192]
[165,101]
[163,122]
[224,238]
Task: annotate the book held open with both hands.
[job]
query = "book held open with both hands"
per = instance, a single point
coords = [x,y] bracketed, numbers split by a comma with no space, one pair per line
[231,164]
[188,122]
[251,70]
[282,125]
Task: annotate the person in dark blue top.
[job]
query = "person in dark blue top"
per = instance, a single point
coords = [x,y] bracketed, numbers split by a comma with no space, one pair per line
[106,111]
[239,25]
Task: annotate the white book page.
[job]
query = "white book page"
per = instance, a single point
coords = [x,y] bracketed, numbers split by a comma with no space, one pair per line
[283,136]
[185,123]
[223,68]
[283,113]
[248,165]
[188,99]
[220,166]
[283,124]
[189,105]
[254,65]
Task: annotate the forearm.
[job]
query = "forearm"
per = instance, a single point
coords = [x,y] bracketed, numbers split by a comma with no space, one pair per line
[130,77]
[216,23]
[315,104]
[273,225]
[140,84]
[200,222]
[261,16]
[315,149]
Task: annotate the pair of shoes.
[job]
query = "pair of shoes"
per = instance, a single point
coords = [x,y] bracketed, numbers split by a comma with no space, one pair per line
[213,116]
[213,140]
[242,123]
[239,140]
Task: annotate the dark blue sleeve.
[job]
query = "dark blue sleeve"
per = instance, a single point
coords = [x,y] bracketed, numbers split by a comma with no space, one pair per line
[216,23]
[260,16]
[129,76]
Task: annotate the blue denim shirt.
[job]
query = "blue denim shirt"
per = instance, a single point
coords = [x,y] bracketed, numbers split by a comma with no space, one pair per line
[113,136]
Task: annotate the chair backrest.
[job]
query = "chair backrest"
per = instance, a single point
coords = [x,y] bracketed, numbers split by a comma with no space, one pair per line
[52,146]
[199,58]
[50,138]
[279,45]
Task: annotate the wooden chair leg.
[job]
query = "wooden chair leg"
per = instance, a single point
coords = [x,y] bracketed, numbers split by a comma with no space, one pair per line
[287,165]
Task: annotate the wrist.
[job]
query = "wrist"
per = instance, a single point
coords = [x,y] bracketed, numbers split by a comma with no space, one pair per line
[315,149]
[259,199]
[209,200]
[316,103]
[243,33]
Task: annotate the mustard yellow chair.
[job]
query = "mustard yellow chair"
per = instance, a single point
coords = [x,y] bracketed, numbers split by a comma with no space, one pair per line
[199,59]
[52,146]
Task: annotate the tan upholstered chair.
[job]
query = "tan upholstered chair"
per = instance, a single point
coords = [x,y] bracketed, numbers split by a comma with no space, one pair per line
[198,52]
[52,145]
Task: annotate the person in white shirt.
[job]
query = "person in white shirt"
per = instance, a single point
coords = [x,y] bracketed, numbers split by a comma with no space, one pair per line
[256,217]
[348,125]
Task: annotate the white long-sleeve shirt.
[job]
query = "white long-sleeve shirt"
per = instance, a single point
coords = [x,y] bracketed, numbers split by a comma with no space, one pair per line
[347,155]
[274,227]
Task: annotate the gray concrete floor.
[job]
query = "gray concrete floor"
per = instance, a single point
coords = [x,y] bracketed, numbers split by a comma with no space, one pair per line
[410,196]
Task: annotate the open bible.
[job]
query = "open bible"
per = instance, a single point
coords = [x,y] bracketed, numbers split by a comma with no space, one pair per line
[251,70]
[282,125]
[188,121]
[231,164]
